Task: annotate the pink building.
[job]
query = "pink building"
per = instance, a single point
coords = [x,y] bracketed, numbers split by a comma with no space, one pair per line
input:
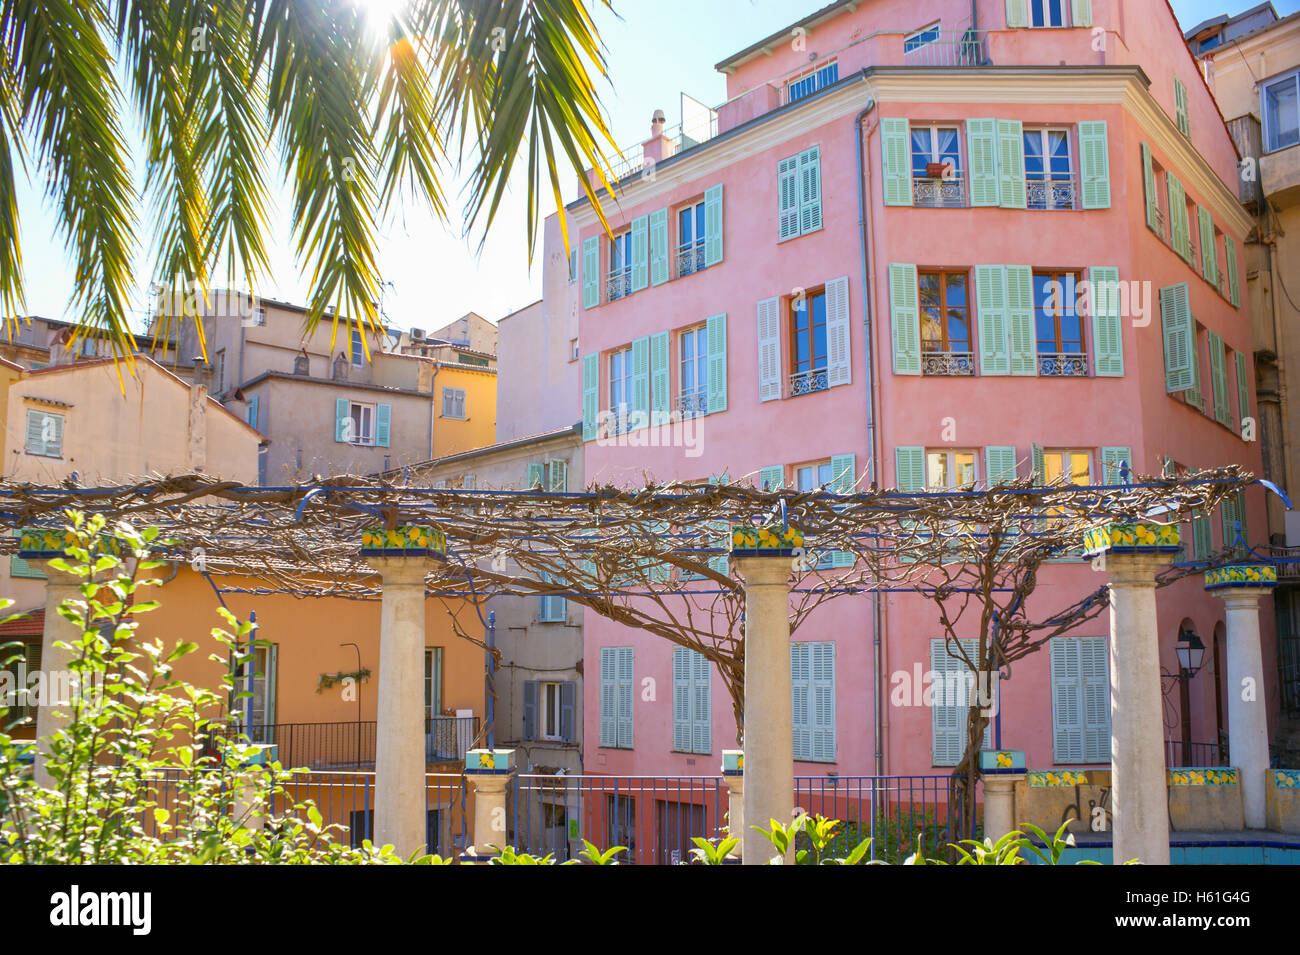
[845,276]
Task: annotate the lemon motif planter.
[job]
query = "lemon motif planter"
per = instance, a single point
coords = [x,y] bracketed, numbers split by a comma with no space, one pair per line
[408,540]
[490,761]
[1241,575]
[47,543]
[733,762]
[1203,776]
[1001,761]
[1064,777]
[1138,537]
[773,541]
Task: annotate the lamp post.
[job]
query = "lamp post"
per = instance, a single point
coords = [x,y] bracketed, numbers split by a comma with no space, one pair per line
[1191,653]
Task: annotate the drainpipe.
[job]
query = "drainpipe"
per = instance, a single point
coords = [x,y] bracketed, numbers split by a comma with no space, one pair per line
[873,473]
[491,661]
[433,405]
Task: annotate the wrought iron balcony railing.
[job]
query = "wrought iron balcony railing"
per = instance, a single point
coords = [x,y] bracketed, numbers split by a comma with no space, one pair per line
[351,744]
[1062,364]
[693,404]
[689,259]
[1050,193]
[618,284]
[953,364]
[806,382]
[939,193]
[614,421]
[948,48]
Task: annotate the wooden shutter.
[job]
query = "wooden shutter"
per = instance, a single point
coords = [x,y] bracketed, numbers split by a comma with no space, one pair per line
[844,480]
[701,704]
[771,478]
[895,160]
[1176,323]
[1017,14]
[1243,392]
[999,464]
[568,711]
[1038,463]
[559,474]
[1201,543]
[625,697]
[531,698]
[1179,234]
[1209,254]
[991,317]
[822,687]
[1230,260]
[1022,342]
[640,252]
[534,476]
[682,699]
[1094,156]
[608,696]
[713,225]
[659,247]
[383,424]
[800,699]
[1113,460]
[769,349]
[948,721]
[904,318]
[1195,395]
[1228,521]
[1067,700]
[659,377]
[1152,199]
[590,395]
[715,331]
[839,364]
[640,411]
[909,468]
[1081,13]
[787,187]
[1107,325]
[1094,667]
[342,422]
[982,160]
[252,411]
[1011,164]
[591,272]
[1181,113]
[810,190]
[1219,379]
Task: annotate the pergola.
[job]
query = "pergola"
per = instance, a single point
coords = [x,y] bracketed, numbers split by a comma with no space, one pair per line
[728,570]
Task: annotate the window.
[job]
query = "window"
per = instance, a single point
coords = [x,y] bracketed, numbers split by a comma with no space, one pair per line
[799,191]
[954,692]
[620,266]
[21,568]
[432,685]
[1281,108]
[358,348]
[620,386]
[616,697]
[1080,700]
[551,608]
[690,238]
[1058,329]
[1076,465]
[620,822]
[29,658]
[914,41]
[550,722]
[812,697]
[945,323]
[936,167]
[949,470]
[219,371]
[573,265]
[811,82]
[692,707]
[573,349]
[1047,13]
[808,343]
[1049,178]
[252,411]
[44,433]
[260,728]
[552,475]
[453,402]
[362,420]
[550,710]
[693,346]
[811,477]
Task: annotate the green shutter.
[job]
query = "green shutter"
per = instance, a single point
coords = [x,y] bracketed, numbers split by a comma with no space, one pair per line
[383,424]
[1081,728]
[659,378]
[810,190]
[682,699]
[1107,326]
[558,469]
[21,568]
[1179,231]
[771,477]
[1219,379]
[1195,395]
[823,701]
[1021,340]
[1228,516]
[991,319]
[800,700]
[844,476]
[591,272]
[1243,393]
[1209,254]
[1176,322]
[896,160]
[1230,259]
[982,159]
[1112,462]
[999,464]
[713,225]
[1095,164]
[639,413]
[1241,516]
[590,395]
[947,716]
[1201,544]
[722,562]
[659,247]
[909,468]
[1149,185]
[1011,164]
[787,188]
[341,420]
[640,251]
[1081,13]
[1039,465]
[1181,113]
[1017,14]
[534,476]
[904,318]
[716,333]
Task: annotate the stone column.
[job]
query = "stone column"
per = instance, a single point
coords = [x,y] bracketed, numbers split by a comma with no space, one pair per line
[768,779]
[1000,770]
[400,797]
[53,715]
[489,772]
[1132,554]
[733,771]
[1241,586]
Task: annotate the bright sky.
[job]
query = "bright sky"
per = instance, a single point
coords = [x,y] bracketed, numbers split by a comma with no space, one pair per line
[436,275]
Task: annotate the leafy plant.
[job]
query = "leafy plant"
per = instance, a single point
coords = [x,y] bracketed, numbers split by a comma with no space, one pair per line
[712,851]
[328,680]
[821,837]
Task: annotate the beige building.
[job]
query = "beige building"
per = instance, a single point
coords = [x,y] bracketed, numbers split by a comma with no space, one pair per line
[1252,64]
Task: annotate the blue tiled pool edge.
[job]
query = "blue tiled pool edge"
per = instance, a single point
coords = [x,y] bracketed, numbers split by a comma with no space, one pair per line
[1200,852]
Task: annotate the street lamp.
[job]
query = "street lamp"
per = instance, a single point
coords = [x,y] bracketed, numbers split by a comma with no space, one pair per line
[1191,651]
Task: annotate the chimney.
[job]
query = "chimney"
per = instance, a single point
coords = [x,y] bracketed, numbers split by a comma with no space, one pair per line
[657,147]
[657,124]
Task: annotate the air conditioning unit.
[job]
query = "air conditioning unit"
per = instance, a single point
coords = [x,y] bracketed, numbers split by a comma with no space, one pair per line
[417,334]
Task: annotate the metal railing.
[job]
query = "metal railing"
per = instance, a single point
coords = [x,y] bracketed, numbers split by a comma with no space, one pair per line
[939,193]
[613,421]
[618,284]
[352,744]
[1062,364]
[950,48]
[693,404]
[948,363]
[688,259]
[1178,753]
[1286,569]
[1051,193]
[806,382]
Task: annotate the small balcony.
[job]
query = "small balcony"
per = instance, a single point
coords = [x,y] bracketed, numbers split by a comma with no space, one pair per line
[350,745]
[1062,364]
[693,404]
[947,48]
[948,364]
[688,259]
[1287,572]
[618,284]
[1051,193]
[806,382]
[939,193]
[614,421]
